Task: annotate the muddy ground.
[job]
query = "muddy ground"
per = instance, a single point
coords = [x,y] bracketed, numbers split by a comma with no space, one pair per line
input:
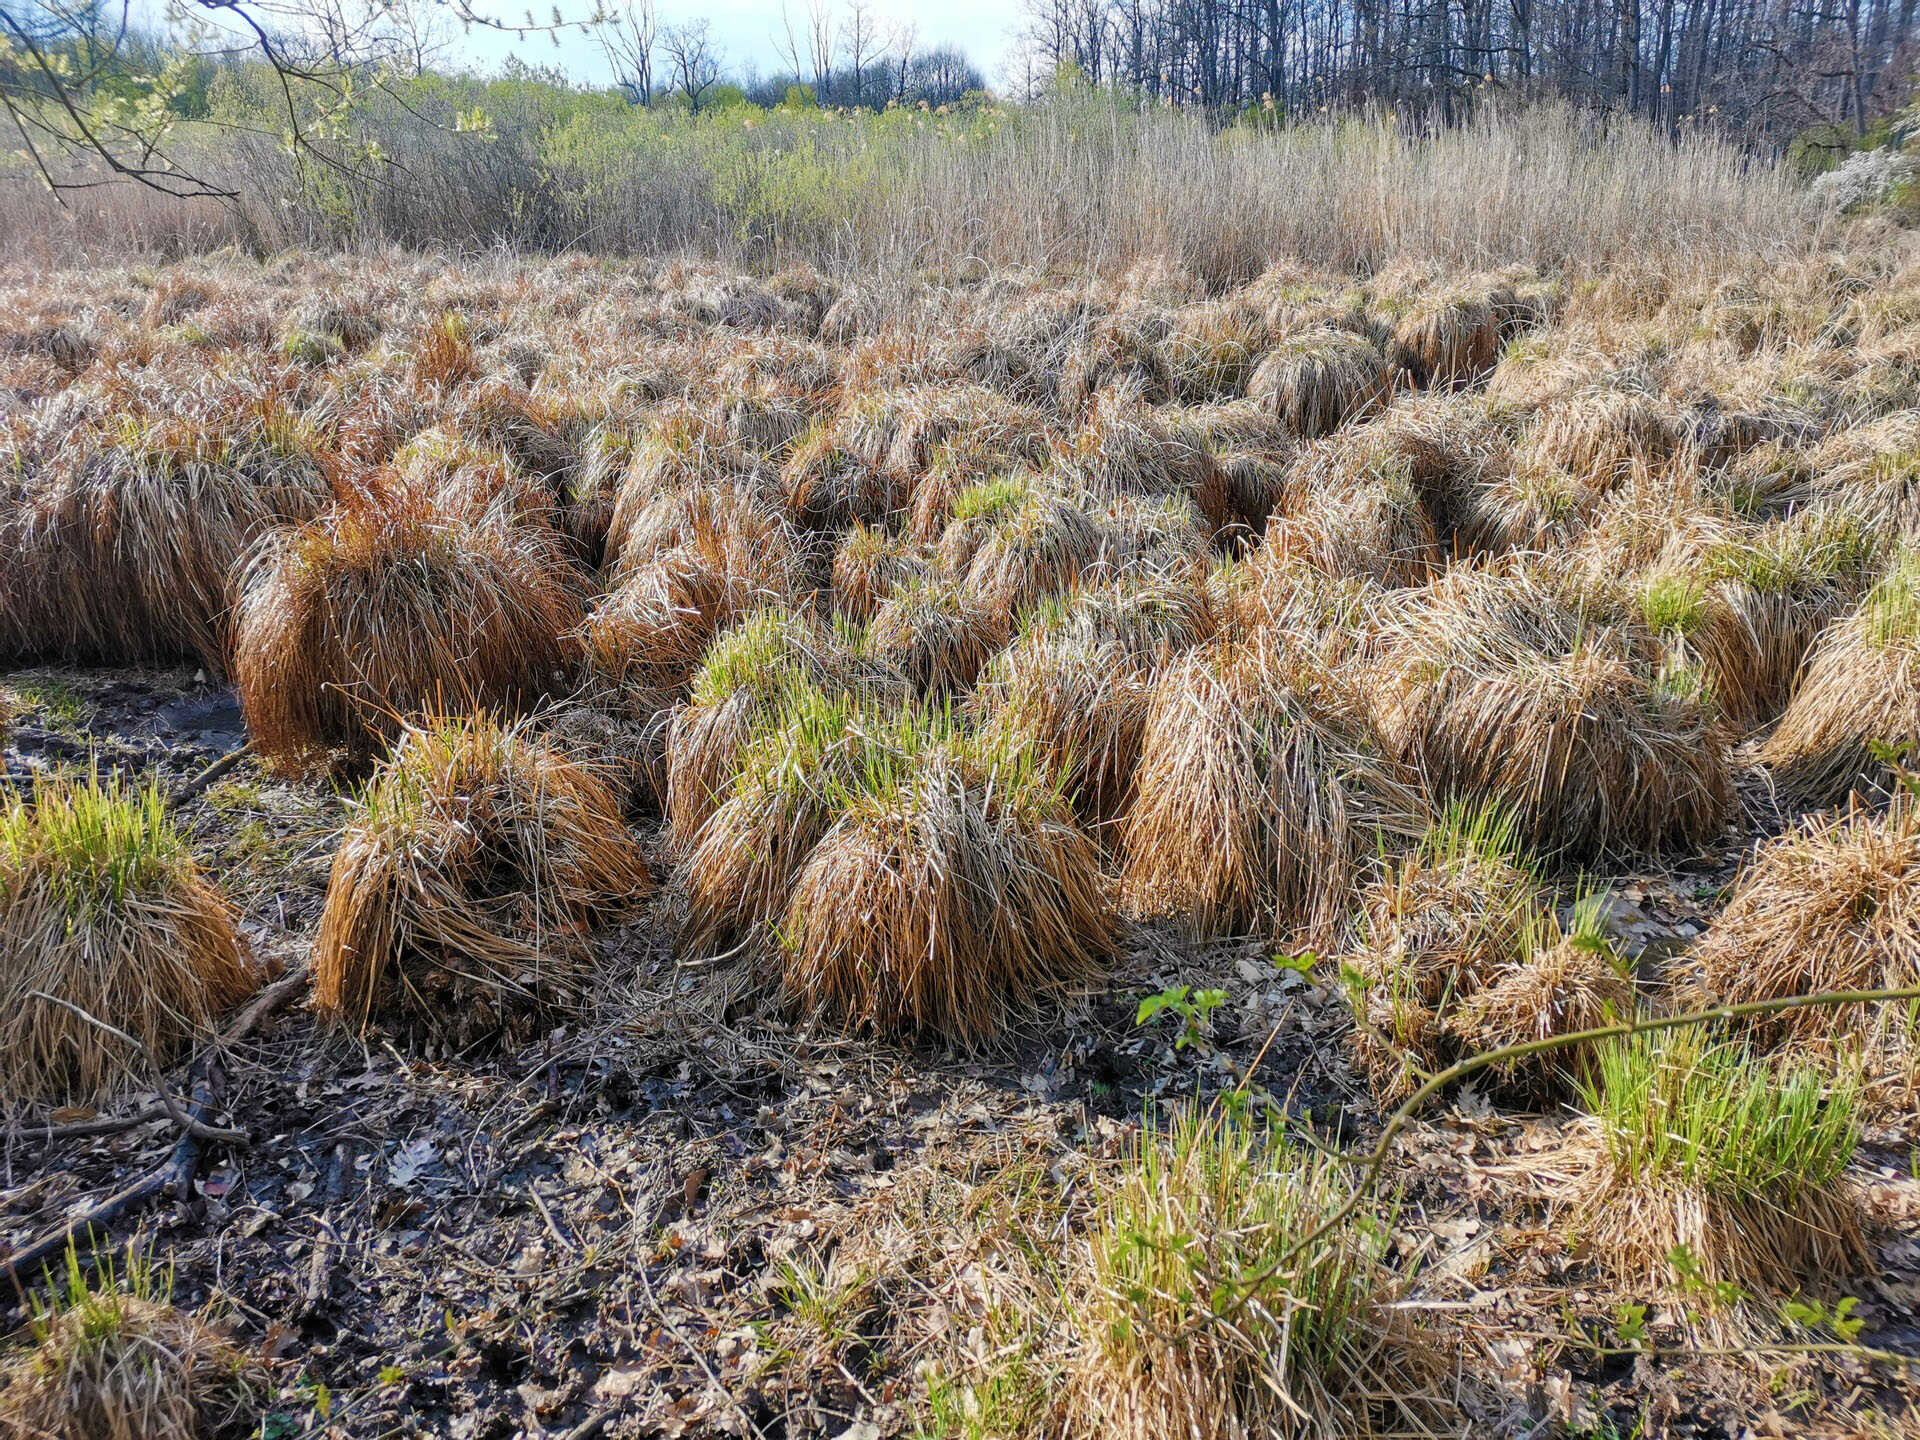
[684,1215]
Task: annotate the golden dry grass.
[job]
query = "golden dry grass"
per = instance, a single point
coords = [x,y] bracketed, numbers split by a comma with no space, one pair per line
[1318,380]
[388,607]
[466,885]
[1258,795]
[103,908]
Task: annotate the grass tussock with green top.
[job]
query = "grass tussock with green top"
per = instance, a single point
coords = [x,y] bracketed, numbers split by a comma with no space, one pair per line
[108,1356]
[102,907]
[1706,1165]
[465,890]
[1199,1311]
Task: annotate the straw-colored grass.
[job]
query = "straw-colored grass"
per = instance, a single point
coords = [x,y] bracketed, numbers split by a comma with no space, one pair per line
[1450,335]
[936,637]
[1198,1312]
[1857,700]
[465,887]
[1318,380]
[1513,688]
[1258,795]
[388,608]
[102,908]
[1706,1167]
[952,891]
[109,1357]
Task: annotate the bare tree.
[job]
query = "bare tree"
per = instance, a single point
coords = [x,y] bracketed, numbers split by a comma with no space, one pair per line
[691,59]
[628,31]
[861,47]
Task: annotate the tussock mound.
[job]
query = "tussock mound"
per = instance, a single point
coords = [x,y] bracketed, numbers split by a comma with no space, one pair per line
[388,607]
[1458,952]
[1832,905]
[1857,699]
[1308,1343]
[1075,685]
[1258,794]
[951,892]
[1012,543]
[1451,335]
[1512,688]
[1874,471]
[1372,528]
[102,907]
[121,533]
[464,890]
[936,637]
[1318,380]
[115,1360]
[868,566]
[1696,1149]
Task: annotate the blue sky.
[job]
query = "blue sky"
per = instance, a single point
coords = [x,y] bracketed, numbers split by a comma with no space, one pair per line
[744,31]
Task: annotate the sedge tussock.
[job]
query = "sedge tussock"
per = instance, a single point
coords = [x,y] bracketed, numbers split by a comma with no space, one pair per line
[1318,380]
[869,565]
[1075,685]
[1706,1165]
[1874,471]
[1596,435]
[747,674]
[466,885]
[1856,700]
[103,907]
[936,637]
[1258,795]
[1451,335]
[387,607]
[1513,688]
[1012,543]
[829,486]
[1211,349]
[1834,904]
[1120,356]
[953,890]
[1199,1314]
[1126,449]
[1373,529]
[112,1358]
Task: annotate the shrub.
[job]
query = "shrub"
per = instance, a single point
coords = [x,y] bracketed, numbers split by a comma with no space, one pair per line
[1201,1313]
[102,907]
[388,608]
[464,889]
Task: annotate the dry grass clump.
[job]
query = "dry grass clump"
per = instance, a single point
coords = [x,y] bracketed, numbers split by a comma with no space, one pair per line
[387,607]
[102,907]
[1753,603]
[1834,904]
[1318,380]
[1012,542]
[1512,688]
[1874,471]
[1374,528]
[1458,952]
[869,565]
[952,891]
[1596,435]
[114,1359]
[465,888]
[1258,794]
[1450,335]
[1199,1313]
[751,669]
[1076,683]
[119,541]
[1125,450]
[1121,355]
[1709,1168]
[1211,349]
[1858,694]
[936,637]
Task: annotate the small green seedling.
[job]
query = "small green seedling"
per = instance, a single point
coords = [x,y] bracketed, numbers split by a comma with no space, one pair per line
[1194,1007]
